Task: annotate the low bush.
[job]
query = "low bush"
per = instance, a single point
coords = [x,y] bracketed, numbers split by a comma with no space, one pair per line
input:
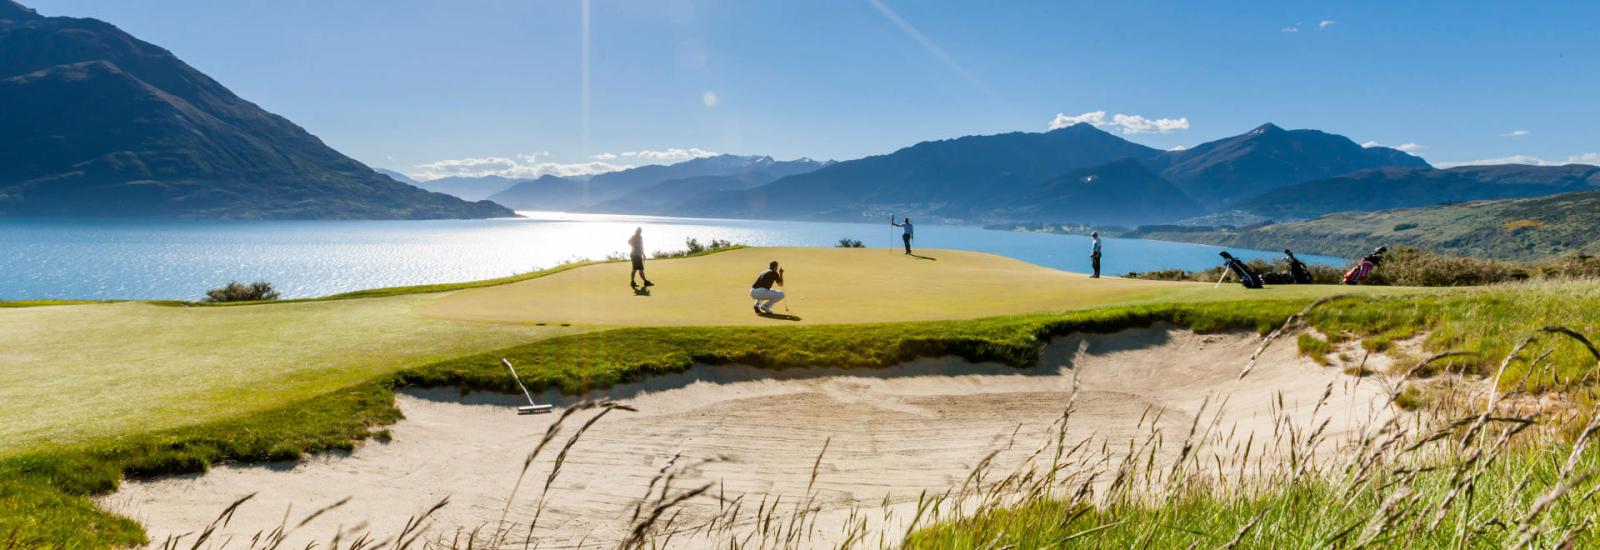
[693,246]
[239,292]
[848,242]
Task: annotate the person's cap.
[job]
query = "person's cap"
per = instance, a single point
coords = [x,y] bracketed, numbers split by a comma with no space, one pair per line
[1094,233]
[773,264]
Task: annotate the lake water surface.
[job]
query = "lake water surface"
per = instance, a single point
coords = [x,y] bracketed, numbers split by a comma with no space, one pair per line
[180,259]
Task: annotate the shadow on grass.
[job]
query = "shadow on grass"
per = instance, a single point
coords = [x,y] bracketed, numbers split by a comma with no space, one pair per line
[780,316]
[921,257]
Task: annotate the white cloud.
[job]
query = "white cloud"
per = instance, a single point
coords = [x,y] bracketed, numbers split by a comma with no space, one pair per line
[1580,158]
[1135,124]
[709,98]
[1179,148]
[1325,23]
[1516,133]
[1409,147]
[605,156]
[1295,28]
[1097,118]
[524,166]
[671,154]
[1585,158]
[1127,124]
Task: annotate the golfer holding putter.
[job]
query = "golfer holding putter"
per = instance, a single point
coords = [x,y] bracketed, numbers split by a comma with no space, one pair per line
[762,291]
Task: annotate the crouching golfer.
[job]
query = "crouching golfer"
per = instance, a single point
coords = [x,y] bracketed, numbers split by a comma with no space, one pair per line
[762,291]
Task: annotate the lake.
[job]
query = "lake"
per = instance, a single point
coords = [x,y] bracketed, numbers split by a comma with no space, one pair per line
[181,259]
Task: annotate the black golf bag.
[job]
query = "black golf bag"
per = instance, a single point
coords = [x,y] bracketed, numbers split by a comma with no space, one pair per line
[1247,277]
[1298,273]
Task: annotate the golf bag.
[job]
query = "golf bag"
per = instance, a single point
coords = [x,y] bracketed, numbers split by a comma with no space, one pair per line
[1365,267]
[1297,269]
[1247,277]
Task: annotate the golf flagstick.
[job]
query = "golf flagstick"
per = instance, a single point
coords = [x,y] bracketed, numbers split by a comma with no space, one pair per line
[531,408]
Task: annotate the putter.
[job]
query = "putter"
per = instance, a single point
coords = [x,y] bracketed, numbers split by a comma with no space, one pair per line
[531,407]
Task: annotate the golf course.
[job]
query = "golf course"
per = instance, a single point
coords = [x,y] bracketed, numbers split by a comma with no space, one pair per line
[881,377]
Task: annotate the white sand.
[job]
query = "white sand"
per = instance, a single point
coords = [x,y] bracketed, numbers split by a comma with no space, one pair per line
[894,432]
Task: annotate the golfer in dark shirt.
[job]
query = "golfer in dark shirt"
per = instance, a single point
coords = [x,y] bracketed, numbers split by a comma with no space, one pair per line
[636,253]
[763,293]
[1094,254]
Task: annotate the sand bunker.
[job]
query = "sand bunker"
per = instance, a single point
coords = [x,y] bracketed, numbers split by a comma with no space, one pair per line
[890,434]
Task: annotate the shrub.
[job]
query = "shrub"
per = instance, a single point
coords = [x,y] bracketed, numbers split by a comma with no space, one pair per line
[1404,226]
[1407,266]
[694,246]
[239,292]
[848,242]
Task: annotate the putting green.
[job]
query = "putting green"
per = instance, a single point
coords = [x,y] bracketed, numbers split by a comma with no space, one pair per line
[824,285]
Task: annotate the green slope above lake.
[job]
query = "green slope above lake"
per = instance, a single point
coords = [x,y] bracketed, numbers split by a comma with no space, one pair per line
[1521,230]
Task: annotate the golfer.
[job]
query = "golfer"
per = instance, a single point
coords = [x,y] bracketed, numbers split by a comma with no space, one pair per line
[636,253]
[907,235]
[762,291]
[1094,254]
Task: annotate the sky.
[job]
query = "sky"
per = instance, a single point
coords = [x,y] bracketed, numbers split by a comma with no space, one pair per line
[526,87]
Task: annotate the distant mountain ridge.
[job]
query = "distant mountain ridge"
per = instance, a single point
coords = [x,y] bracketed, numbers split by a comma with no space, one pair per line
[1224,171]
[932,175]
[1007,177]
[1390,188]
[551,193]
[472,188]
[1122,192]
[99,123]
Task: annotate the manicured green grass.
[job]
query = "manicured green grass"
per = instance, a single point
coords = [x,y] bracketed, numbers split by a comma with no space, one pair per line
[77,373]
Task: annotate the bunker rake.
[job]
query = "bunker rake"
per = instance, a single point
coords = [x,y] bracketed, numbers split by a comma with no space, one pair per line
[531,407]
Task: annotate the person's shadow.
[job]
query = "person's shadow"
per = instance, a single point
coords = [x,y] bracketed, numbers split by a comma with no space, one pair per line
[920,257]
[641,291]
[781,316]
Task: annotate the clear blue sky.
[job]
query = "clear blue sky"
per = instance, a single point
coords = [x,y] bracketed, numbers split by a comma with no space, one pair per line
[408,83]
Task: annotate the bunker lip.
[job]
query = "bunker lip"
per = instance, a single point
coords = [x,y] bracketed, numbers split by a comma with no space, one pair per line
[823,285]
[890,434]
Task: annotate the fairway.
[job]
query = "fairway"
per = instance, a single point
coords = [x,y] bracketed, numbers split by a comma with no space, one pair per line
[72,373]
[823,286]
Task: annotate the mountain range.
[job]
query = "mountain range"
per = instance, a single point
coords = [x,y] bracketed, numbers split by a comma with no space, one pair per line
[99,123]
[1026,176]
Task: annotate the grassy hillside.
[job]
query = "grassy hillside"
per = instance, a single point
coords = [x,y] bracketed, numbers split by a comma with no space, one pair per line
[1522,230]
